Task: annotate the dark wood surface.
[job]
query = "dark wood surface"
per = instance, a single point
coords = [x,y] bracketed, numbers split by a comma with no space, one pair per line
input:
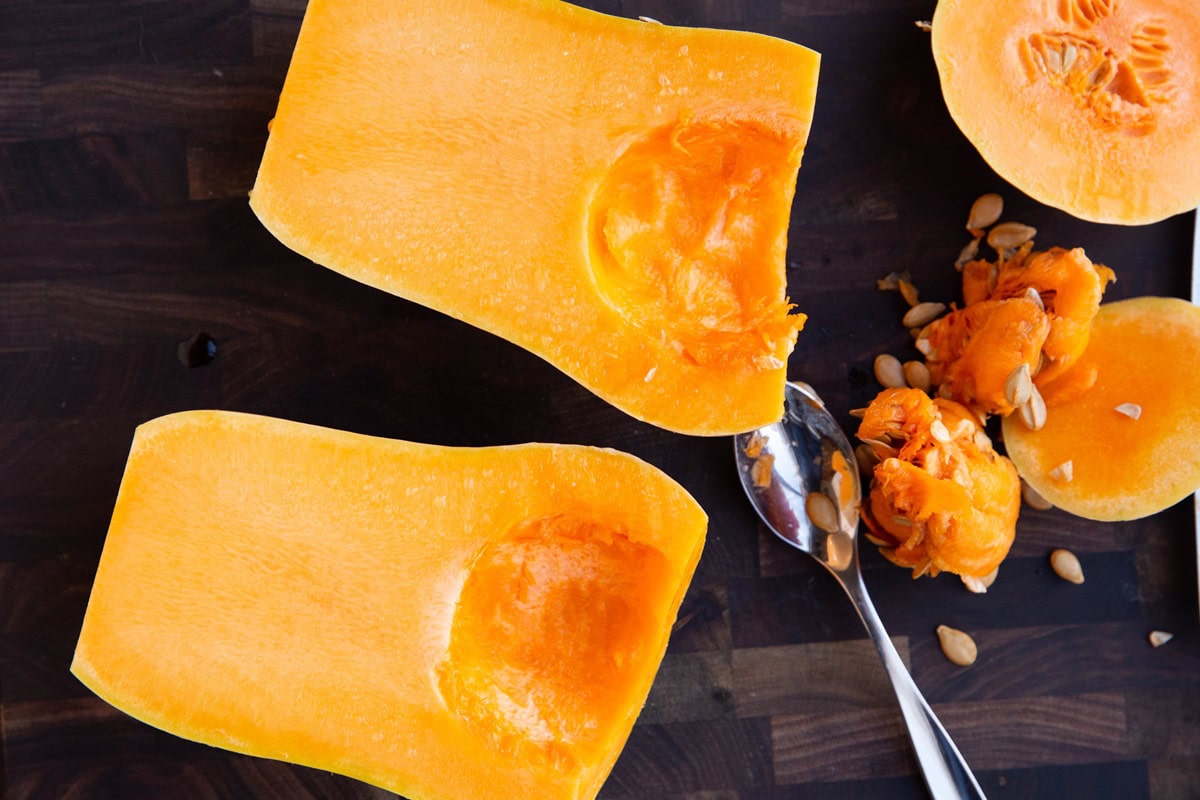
[130,131]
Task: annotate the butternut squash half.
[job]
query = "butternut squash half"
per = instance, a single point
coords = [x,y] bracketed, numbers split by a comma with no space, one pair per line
[1086,105]
[610,194]
[1122,433]
[445,623]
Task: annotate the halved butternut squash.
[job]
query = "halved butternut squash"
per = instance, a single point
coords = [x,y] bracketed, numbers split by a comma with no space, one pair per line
[443,622]
[1122,432]
[612,195]
[1086,105]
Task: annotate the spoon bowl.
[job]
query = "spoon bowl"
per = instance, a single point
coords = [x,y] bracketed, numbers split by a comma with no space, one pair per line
[802,478]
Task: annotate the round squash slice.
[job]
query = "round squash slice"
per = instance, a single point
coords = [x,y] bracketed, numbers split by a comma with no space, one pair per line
[1122,433]
[1086,105]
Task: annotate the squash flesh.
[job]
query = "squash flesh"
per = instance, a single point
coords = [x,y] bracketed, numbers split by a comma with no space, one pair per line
[470,155]
[1143,351]
[297,593]
[1086,106]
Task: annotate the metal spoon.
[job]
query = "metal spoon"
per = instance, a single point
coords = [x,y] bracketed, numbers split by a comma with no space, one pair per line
[807,491]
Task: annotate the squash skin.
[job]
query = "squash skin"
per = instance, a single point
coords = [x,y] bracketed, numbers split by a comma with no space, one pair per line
[1127,153]
[293,592]
[465,155]
[1144,350]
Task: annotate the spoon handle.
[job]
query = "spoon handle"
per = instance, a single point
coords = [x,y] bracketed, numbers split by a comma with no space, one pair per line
[946,773]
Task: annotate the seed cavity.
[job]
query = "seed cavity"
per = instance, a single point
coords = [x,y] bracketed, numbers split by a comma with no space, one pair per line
[1066,566]
[958,646]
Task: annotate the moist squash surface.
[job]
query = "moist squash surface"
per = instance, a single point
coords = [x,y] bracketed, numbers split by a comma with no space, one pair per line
[610,194]
[1086,105]
[443,622]
[1124,419]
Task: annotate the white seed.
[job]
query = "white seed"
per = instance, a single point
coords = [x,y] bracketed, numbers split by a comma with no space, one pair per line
[1009,235]
[980,585]
[982,441]
[916,374]
[924,25]
[904,522]
[1159,638]
[939,431]
[1035,297]
[986,209]
[922,314]
[1068,58]
[1033,412]
[957,645]
[1018,387]
[968,253]
[822,512]
[923,345]
[1064,472]
[889,372]
[1131,410]
[1066,566]
[1033,498]
[651,20]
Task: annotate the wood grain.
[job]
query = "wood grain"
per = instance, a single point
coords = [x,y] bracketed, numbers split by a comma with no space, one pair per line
[130,134]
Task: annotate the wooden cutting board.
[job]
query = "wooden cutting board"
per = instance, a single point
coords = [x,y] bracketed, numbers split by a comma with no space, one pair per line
[130,131]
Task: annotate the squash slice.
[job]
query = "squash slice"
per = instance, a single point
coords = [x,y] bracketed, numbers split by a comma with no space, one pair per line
[445,623]
[1089,106]
[1122,433]
[612,195]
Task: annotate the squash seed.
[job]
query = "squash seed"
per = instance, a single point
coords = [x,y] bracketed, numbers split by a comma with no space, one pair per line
[922,314]
[980,585]
[986,209]
[1033,412]
[1009,235]
[909,292]
[1064,472]
[865,455]
[1018,387]
[1131,410]
[1035,297]
[822,512]
[1033,498]
[651,20]
[917,375]
[924,25]
[939,431]
[889,372]
[958,646]
[1159,638]
[1066,566]
[967,254]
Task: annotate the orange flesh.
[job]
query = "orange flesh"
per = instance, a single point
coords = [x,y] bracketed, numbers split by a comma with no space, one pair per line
[612,195]
[441,622]
[1086,105]
[976,348]
[938,501]
[1144,351]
